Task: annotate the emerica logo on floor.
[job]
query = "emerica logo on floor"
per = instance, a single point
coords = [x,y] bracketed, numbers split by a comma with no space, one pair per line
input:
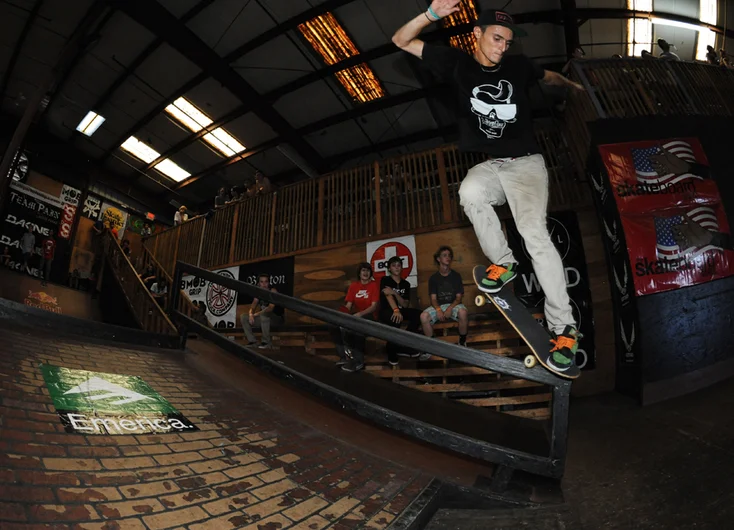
[99,403]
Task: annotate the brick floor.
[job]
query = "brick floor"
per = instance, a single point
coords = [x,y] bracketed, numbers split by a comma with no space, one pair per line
[249,466]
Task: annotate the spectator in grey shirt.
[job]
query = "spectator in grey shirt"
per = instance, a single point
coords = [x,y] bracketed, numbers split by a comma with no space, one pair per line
[27,246]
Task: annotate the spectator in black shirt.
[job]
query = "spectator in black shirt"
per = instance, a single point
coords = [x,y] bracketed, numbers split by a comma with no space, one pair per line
[394,310]
[221,199]
[262,314]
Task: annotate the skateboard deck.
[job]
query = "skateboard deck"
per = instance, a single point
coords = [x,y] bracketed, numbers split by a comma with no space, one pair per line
[534,334]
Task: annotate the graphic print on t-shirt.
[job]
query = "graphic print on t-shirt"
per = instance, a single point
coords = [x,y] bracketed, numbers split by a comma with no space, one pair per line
[491,103]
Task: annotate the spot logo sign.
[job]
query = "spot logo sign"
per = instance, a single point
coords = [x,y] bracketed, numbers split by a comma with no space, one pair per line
[100,403]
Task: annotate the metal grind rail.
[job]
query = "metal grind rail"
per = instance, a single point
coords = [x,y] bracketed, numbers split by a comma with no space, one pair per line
[508,459]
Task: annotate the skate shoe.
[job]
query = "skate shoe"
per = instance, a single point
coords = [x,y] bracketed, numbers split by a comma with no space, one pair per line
[563,352]
[497,277]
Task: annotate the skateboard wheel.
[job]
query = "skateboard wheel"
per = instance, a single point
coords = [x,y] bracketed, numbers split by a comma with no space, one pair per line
[479,301]
[530,361]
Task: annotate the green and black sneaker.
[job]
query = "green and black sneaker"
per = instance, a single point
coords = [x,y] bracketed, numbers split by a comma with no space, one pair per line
[497,277]
[563,352]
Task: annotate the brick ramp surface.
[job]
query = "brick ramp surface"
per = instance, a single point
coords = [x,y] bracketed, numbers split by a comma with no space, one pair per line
[249,466]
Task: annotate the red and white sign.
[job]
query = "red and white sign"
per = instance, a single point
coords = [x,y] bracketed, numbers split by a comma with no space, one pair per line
[379,252]
[67,221]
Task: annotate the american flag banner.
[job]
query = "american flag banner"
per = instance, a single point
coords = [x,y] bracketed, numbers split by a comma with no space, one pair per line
[645,171]
[668,248]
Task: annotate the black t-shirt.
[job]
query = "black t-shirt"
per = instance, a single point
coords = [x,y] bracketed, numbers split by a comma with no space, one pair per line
[277,310]
[445,287]
[493,106]
[402,288]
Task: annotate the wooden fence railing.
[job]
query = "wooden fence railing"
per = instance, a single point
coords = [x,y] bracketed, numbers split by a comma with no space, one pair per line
[148,313]
[410,193]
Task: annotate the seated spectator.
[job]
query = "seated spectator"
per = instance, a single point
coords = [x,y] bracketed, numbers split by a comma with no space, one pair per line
[666,54]
[262,314]
[5,258]
[48,249]
[363,297]
[159,290]
[394,308]
[251,188]
[221,199]
[148,276]
[126,247]
[146,231]
[711,56]
[200,314]
[647,55]
[262,183]
[181,216]
[446,290]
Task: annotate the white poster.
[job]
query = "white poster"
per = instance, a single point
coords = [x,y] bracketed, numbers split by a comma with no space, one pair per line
[221,302]
[379,252]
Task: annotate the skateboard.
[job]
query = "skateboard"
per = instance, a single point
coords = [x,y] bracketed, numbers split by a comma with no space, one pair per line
[534,334]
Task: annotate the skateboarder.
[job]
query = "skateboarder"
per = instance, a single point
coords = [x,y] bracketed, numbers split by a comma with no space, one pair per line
[495,119]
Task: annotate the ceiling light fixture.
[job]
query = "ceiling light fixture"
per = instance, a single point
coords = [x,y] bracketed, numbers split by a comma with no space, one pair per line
[147,154]
[91,122]
[195,120]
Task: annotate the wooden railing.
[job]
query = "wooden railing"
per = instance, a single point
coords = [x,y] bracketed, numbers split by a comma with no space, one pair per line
[147,259]
[410,193]
[149,315]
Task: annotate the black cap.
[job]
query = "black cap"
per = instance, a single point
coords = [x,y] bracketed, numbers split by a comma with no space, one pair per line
[494,17]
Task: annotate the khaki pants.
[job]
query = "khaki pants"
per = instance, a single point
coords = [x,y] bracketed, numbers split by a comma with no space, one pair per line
[522,183]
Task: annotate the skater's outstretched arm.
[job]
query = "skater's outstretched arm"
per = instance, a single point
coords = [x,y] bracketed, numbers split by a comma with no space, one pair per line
[556,79]
[405,37]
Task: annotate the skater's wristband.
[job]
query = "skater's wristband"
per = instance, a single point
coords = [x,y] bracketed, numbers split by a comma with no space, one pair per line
[435,15]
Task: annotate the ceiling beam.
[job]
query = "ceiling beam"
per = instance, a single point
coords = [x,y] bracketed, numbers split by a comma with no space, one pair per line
[19,47]
[142,56]
[362,110]
[232,56]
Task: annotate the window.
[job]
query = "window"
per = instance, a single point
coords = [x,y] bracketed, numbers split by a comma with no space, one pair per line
[706,37]
[190,116]
[467,14]
[147,154]
[90,123]
[327,37]
[639,30]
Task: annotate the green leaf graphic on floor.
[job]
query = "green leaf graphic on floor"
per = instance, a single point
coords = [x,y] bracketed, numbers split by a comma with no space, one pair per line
[100,403]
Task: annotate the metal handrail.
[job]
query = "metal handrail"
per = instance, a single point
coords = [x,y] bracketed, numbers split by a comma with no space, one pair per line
[551,465]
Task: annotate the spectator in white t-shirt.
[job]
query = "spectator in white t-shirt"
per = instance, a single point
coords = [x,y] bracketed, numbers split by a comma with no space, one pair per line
[27,247]
[181,216]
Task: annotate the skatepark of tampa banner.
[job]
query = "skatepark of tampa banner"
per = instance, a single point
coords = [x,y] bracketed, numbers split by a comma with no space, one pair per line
[654,206]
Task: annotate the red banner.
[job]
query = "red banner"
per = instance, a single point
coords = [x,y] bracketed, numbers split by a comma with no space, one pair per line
[675,226]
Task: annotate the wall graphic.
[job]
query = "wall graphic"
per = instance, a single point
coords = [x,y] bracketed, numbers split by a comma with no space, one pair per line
[671,214]
[221,302]
[115,216]
[564,231]
[379,252]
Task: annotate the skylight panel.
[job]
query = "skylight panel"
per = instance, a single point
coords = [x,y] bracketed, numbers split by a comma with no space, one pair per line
[327,37]
[466,14]
[147,154]
[90,123]
[172,170]
[639,30]
[193,118]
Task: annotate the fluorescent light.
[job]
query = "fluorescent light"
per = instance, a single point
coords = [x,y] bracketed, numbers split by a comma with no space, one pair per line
[147,154]
[172,170]
[90,123]
[186,113]
[140,150]
[675,23]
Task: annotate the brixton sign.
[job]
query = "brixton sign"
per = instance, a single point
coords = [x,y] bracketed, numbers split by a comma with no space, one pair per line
[100,403]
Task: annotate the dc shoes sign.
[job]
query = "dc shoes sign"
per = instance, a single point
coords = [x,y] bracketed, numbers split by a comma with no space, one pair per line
[220,301]
[379,252]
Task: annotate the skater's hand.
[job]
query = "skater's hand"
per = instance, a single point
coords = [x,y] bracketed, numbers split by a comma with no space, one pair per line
[666,163]
[691,234]
[397,317]
[440,315]
[444,8]
[388,290]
